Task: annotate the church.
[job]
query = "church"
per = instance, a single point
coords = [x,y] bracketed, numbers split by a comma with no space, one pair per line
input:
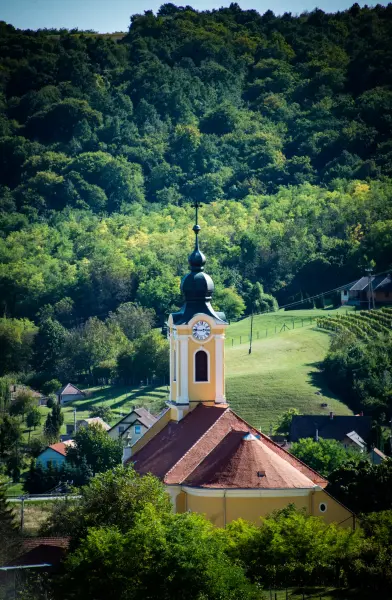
[210,460]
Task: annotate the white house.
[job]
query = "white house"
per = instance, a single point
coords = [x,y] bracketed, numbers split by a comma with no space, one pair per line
[131,427]
[68,393]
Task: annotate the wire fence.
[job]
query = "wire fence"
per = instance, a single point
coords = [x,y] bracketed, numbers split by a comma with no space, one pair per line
[287,325]
[274,330]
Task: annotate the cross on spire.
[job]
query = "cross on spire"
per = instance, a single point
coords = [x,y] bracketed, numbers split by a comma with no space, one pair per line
[196,205]
[196,228]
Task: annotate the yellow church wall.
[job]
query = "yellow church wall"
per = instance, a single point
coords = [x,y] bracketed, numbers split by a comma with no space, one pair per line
[221,511]
[251,509]
[335,513]
[201,390]
[212,508]
[181,503]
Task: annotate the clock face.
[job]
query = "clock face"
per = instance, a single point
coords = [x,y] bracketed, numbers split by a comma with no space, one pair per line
[201,330]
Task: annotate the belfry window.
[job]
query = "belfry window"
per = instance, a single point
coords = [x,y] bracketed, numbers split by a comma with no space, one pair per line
[201,366]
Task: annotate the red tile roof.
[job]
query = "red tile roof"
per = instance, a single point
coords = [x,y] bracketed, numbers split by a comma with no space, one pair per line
[178,449]
[242,461]
[61,447]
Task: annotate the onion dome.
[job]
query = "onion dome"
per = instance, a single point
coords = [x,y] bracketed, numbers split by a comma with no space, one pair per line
[197,285]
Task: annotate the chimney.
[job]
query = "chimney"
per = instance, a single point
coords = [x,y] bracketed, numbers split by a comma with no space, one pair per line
[127,453]
[331,415]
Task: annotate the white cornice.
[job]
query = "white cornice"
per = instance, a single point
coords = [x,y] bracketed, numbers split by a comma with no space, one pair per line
[247,493]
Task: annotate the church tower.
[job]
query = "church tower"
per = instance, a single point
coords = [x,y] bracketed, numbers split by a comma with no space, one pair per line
[197,340]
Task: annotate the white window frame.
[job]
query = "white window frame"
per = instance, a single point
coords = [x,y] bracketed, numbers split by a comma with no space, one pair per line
[208,365]
[326,507]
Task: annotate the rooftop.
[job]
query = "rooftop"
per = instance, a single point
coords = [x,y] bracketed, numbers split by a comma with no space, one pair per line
[176,452]
[336,428]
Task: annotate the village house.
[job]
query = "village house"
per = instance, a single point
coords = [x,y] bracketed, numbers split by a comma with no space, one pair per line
[53,455]
[68,393]
[133,426]
[351,431]
[359,293]
[16,388]
[211,460]
[72,428]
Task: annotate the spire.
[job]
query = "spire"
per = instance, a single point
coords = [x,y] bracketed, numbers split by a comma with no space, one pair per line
[197,286]
[196,259]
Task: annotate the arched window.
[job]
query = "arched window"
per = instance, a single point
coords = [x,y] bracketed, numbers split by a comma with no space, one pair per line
[201,366]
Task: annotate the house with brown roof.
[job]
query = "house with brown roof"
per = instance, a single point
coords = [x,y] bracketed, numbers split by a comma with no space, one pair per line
[133,426]
[211,460]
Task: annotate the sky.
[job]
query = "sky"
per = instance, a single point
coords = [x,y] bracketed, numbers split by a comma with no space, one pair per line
[113,15]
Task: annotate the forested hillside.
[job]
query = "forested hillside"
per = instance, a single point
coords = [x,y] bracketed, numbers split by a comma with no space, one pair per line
[281,125]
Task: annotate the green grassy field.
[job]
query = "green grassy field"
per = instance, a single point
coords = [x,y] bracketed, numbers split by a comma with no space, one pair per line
[281,373]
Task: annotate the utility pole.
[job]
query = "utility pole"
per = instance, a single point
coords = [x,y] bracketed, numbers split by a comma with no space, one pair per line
[22,498]
[251,333]
[369,272]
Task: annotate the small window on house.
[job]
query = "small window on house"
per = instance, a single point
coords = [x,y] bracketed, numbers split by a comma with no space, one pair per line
[138,429]
[201,366]
[121,429]
[322,507]
[49,464]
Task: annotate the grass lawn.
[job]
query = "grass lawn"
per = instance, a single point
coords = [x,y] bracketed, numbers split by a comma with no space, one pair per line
[281,373]
[275,323]
[35,514]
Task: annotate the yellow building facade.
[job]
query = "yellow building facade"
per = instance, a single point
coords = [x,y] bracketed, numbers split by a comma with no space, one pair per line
[210,460]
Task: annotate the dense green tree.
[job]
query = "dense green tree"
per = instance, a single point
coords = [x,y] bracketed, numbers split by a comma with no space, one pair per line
[16,342]
[111,499]
[5,393]
[22,403]
[96,448]
[291,548]
[103,412]
[33,418]
[148,358]
[230,302]
[134,320]
[324,456]
[53,424]
[185,542]
[49,346]
[51,386]
[9,531]
[363,487]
